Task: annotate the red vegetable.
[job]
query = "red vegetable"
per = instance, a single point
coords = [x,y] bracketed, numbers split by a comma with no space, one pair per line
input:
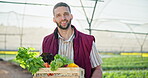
[46,65]
[50,74]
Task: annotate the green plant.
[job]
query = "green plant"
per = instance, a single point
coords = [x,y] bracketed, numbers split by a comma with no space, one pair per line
[125,63]
[59,61]
[126,74]
[29,60]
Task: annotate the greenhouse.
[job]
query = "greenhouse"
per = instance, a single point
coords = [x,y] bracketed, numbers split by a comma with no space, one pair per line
[120,28]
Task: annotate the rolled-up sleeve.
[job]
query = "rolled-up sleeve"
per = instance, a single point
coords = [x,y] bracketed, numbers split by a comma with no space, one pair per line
[95,58]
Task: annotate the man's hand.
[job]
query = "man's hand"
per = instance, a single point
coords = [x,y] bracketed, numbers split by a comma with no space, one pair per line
[97,72]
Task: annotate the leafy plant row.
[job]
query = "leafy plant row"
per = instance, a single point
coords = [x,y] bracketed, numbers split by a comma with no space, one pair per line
[126,74]
[125,62]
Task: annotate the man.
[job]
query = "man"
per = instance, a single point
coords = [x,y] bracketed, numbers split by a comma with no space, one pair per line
[68,41]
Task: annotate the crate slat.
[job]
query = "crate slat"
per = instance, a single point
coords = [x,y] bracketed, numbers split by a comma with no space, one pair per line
[64,72]
[59,77]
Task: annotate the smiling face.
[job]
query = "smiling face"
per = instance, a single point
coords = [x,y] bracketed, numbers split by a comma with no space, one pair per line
[62,17]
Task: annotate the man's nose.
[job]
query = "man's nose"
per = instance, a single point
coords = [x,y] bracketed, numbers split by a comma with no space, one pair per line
[63,17]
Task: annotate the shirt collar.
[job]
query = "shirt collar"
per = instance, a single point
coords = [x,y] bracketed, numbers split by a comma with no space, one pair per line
[70,38]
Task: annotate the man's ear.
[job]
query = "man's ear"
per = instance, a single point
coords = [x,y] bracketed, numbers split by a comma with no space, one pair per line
[71,16]
[54,20]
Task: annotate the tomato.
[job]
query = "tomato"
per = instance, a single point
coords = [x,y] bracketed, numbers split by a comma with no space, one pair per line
[50,74]
[46,65]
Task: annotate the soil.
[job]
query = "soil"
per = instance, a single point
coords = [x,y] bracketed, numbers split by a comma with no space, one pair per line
[11,70]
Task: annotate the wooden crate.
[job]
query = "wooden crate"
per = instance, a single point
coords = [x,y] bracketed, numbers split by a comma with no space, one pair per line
[65,72]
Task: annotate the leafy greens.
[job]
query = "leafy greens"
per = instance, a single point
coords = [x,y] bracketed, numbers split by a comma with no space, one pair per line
[29,60]
[59,61]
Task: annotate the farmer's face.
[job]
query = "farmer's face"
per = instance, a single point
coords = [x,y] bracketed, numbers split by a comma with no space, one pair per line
[62,17]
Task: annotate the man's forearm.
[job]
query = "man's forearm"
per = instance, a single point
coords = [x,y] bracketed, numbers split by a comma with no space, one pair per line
[97,72]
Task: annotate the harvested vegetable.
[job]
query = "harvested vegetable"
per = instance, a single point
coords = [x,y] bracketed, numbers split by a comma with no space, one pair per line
[29,60]
[72,65]
[59,61]
[50,74]
[46,65]
[47,57]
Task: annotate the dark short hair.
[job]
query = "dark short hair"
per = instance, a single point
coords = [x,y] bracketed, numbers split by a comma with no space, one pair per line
[61,4]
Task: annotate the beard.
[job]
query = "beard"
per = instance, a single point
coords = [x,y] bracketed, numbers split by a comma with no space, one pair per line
[64,28]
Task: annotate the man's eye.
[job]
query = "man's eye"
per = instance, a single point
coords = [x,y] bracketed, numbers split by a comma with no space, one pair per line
[66,13]
[58,15]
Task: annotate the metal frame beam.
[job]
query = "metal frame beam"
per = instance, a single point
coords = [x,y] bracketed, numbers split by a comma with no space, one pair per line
[37,4]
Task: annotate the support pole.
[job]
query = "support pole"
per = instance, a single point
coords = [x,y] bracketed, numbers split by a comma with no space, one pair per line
[89,22]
